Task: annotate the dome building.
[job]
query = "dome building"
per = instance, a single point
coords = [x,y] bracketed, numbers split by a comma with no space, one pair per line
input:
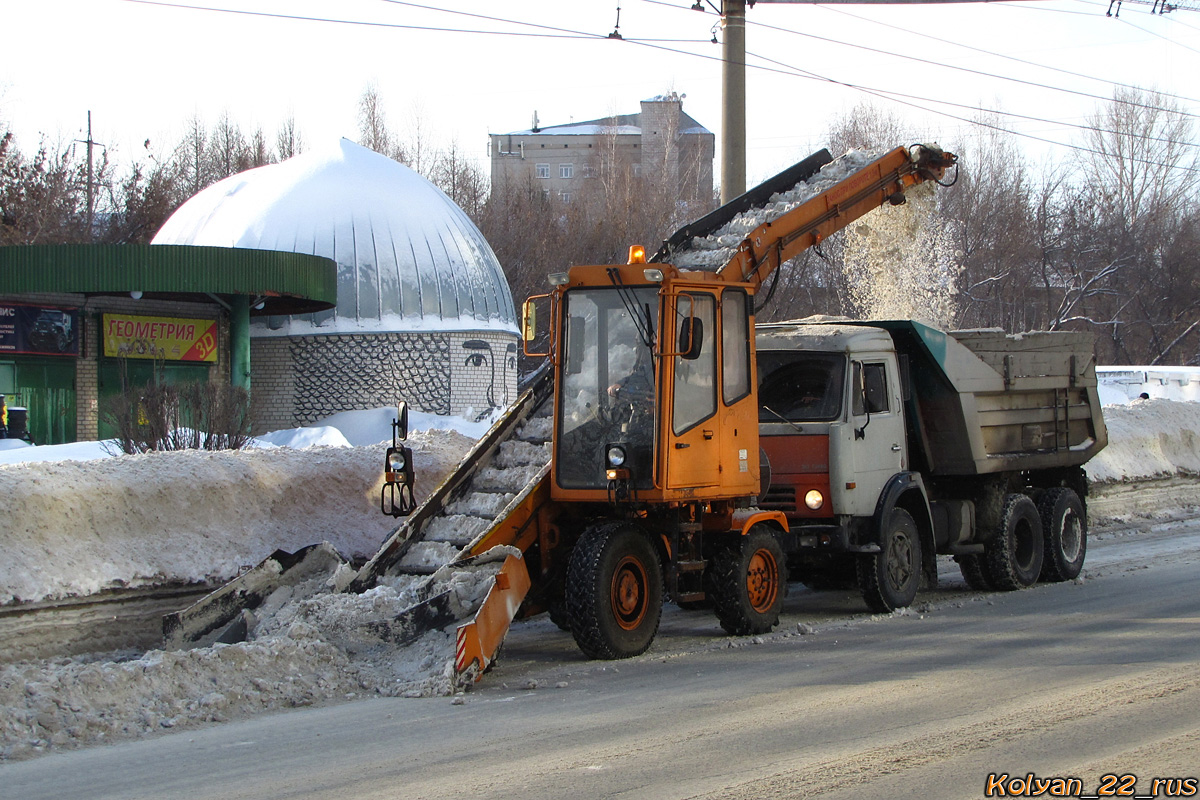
[424,313]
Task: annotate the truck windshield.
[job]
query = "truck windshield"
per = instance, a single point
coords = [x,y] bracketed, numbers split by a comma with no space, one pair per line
[608,385]
[799,386]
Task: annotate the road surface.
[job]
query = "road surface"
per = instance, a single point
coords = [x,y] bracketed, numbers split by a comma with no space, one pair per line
[1083,679]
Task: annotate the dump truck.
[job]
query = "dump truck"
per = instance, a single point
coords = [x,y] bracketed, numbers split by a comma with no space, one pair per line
[640,462]
[890,442]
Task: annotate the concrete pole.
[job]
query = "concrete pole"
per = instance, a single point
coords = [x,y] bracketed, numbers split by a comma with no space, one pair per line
[733,112]
[239,341]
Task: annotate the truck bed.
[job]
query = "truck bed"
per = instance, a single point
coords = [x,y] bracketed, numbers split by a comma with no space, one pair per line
[985,402]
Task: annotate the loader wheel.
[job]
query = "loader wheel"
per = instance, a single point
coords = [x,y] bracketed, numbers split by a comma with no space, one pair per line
[559,616]
[1064,528]
[614,591]
[889,579]
[748,583]
[1013,558]
[971,567]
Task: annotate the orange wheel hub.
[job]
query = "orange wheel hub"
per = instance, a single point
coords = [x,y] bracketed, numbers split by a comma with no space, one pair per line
[629,587]
[762,581]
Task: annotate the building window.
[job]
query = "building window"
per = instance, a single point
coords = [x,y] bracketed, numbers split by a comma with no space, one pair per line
[589,172]
[543,170]
[637,170]
[564,196]
[566,170]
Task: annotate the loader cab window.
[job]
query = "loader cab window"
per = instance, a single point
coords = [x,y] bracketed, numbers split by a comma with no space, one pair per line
[799,386]
[695,378]
[735,346]
[870,389]
[608,384]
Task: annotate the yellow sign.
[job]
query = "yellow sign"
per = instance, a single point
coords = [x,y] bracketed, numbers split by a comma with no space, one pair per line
[167,338]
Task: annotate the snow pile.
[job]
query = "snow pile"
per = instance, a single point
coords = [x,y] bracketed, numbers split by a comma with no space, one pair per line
[76,527]
[714,251]
[1122,384]
[1148,439]
[306,650]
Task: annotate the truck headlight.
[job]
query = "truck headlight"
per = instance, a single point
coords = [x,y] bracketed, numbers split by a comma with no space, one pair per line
[616,455]
[814,499]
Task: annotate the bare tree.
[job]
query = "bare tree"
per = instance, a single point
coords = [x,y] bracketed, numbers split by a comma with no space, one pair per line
[1141,157]
[287,140]
[373,131]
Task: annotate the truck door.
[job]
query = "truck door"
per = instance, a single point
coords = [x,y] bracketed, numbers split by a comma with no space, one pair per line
[876,435]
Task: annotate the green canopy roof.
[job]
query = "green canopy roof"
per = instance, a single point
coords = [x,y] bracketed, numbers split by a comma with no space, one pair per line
[285,283]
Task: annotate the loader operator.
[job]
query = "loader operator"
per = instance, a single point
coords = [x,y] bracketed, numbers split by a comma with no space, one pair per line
[630,394]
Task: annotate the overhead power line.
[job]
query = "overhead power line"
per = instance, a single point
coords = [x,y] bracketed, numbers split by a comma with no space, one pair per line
[546,31]
[839,10]
[982,73]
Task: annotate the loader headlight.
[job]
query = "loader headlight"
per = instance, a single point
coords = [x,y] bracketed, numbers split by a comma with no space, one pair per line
[396,461]
[814,499]
[616,455]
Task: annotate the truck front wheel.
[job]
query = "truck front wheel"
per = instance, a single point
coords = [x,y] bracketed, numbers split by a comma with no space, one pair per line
[889,579]
[614,591]
[1064,528]
[748,582]
[1013,558]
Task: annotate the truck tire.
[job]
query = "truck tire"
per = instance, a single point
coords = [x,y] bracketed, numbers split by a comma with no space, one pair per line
[971,567]
[1064,528]
[1013,558]
[614,591]
[748,582]
[889,579]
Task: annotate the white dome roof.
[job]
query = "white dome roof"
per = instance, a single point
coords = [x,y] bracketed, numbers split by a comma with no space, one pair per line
[408,258]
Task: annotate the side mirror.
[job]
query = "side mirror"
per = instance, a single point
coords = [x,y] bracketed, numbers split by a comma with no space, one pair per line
[691,337]
[400,423]
[528,321]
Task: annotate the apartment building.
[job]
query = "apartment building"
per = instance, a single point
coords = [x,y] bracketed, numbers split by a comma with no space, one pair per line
[661,145]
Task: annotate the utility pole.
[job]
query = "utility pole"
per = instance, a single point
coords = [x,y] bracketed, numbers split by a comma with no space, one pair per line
[733,101]
[91,185]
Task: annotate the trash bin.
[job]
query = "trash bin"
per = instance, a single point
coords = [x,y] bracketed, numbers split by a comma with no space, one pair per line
[18,422]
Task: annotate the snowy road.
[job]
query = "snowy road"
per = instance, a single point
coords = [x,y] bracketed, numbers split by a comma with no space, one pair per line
[1078,679]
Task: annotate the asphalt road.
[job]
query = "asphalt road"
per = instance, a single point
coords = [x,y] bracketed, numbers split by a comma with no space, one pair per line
[1079,680]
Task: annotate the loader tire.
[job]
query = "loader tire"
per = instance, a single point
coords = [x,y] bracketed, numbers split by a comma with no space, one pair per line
[890,579]
[1064,530]
[971,567]
[749,580]
[1013,558]
[614,591]
[559,616]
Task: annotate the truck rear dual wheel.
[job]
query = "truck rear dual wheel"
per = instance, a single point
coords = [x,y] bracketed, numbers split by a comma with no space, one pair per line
[1064,528]
[748,582]
[971,567]
[614,591]
[890,579]
[1013,558]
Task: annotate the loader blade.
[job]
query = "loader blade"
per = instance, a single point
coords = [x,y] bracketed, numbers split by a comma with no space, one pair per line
[477,642]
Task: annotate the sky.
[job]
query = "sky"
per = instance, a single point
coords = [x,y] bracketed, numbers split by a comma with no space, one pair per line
[144,69]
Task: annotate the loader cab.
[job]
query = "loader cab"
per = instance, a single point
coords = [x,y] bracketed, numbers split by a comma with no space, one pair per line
[653,399]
